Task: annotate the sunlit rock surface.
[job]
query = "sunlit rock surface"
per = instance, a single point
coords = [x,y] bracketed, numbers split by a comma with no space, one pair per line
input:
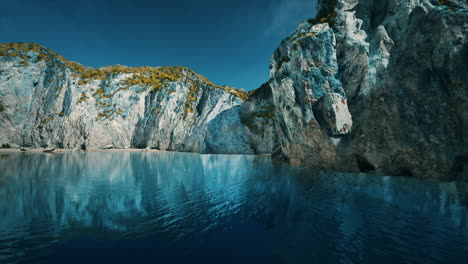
[401,68]
[365,86]
[47,101]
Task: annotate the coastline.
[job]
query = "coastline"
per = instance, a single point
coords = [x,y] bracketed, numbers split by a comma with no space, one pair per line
[42,150]
[58,151]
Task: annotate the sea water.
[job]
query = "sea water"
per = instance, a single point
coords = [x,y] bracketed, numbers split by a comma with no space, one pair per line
[126,207]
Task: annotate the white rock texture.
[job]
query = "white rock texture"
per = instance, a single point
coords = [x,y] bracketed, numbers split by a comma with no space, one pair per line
[401,66]
[365,86]
[47,101]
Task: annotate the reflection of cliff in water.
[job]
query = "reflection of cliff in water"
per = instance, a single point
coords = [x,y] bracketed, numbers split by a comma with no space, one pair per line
[353,213]
[107,189]
[46,197]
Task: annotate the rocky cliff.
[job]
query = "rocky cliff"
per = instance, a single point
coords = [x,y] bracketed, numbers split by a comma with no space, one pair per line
[376,85]
[367,85]
[48,101]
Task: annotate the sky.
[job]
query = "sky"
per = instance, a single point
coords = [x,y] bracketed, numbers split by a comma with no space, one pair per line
[229,42]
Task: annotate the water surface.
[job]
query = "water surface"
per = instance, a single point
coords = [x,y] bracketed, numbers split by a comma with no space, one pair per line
[189,208]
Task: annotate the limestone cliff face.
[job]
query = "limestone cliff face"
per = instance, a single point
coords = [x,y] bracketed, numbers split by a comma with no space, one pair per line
[47,101]
[252,120]
[376,85]
[368,85]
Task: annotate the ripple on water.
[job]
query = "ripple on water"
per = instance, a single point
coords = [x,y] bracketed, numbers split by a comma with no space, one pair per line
[187,207]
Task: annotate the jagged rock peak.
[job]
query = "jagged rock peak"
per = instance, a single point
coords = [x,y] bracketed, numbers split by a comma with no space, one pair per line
[401,67]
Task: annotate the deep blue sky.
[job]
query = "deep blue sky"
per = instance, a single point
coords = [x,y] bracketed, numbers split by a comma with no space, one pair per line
[229,42]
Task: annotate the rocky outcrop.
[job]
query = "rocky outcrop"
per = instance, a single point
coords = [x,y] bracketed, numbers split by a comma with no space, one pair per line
[47,101]
[365,86]
[400,70]
[252,120]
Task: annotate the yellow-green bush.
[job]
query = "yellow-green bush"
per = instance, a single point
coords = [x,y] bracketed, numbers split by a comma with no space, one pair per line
[99,94]
[42,57]
[107,114]
[147,78]
[102,116]
[327,15]
[102,105]
[59,91]
[83,98]
[81,82]
[46,120]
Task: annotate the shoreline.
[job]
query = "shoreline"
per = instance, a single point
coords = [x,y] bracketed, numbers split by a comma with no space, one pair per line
[58,151]
[44,150]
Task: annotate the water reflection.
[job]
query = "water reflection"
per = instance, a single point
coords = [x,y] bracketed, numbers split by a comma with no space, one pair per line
[287,215]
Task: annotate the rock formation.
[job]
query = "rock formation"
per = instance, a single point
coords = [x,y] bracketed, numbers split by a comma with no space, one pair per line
[367,85]
[47,101]
[250,124]
[399,69]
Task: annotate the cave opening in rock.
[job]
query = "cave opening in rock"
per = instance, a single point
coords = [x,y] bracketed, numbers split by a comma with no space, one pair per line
[405,172]
[364,165]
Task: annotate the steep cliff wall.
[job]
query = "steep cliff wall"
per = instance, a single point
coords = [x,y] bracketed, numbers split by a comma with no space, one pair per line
[252,120]
[399,69]
[367,85]
[47,101]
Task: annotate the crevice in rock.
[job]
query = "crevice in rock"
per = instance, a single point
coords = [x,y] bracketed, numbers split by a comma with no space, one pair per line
[278,154]
[202,103]
[373,14]
[460,166]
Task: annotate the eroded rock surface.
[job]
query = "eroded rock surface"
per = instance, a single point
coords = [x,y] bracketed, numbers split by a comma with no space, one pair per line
[368,85]
[47,101]
[401,67]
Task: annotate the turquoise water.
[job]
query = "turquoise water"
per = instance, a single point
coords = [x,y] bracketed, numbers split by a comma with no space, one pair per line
[189,208]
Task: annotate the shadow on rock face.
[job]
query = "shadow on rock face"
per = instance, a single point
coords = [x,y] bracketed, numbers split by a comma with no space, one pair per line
[364,165]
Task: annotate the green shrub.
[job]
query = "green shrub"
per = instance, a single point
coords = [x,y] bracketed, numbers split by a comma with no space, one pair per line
[6,146]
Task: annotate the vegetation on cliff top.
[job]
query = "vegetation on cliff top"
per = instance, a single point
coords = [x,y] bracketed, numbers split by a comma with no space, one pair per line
[327,13]
[152,77]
